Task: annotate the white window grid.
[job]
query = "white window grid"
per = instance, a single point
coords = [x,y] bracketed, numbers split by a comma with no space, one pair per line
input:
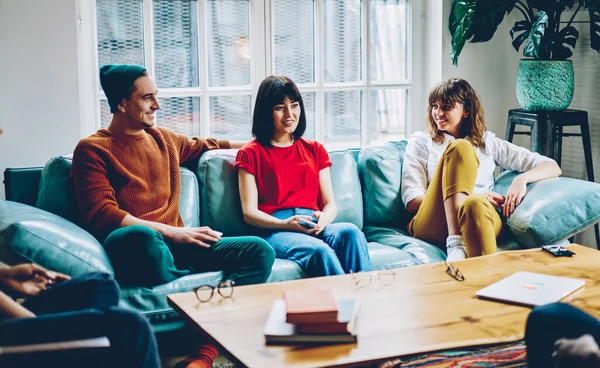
[262,65]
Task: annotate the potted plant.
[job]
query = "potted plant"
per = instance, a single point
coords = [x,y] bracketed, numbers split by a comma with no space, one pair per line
[544,82]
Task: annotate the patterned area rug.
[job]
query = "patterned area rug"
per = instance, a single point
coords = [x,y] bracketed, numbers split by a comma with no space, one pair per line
[506,356]
[511,355]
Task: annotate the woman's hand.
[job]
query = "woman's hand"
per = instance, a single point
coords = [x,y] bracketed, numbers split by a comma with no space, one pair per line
[30,279]
[497,200]
[323,220]
[293,224]
[515,195]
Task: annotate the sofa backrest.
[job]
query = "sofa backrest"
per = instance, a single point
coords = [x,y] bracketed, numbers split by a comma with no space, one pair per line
[220,199]
[380,172]
[56,193]
[21,184]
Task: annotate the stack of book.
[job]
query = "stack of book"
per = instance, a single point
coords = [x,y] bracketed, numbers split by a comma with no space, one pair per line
[311,316]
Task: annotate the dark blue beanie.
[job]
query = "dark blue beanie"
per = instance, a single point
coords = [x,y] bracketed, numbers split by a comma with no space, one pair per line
[117,80]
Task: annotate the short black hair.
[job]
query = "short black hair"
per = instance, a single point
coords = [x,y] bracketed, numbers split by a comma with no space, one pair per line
[273,91]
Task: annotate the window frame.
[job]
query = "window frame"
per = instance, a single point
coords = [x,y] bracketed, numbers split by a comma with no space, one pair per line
[262,64]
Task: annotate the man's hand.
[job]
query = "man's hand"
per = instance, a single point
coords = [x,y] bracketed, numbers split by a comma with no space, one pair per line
[497,200]
[583,349]
[323,220]
[30,279]
[192,235]
[515,195]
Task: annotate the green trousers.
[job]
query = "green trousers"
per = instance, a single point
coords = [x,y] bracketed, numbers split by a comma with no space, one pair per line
[480,223]
[140,256]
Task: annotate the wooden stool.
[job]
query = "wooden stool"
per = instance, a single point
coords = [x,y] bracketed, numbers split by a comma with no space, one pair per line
[546,131]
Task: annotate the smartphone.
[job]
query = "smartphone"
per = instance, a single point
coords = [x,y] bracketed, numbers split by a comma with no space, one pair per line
[306,223]
[558,250]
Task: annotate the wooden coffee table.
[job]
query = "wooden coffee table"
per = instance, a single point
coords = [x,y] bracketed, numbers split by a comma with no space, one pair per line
[423,310]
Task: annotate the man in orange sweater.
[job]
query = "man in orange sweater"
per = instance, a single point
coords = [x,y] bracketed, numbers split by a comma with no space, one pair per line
[127,185]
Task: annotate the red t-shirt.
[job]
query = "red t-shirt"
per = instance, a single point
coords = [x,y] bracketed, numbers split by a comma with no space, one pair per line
[286,177]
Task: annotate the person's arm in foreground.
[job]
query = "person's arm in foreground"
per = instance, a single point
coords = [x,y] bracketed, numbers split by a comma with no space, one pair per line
[26,280]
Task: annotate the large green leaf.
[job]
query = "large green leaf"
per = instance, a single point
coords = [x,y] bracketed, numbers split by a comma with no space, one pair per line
[461,18]
[477,20]
[593,7]
[566,37]
[550,6]
[488,16]
[536,35]
[522,26]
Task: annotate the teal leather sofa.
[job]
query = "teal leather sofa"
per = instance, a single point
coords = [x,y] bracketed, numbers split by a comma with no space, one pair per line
[38,221]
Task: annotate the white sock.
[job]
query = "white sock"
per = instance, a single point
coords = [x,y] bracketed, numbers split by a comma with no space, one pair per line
[455,246]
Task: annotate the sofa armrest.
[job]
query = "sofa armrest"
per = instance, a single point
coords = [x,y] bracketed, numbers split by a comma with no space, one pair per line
[552,210]
[28,234]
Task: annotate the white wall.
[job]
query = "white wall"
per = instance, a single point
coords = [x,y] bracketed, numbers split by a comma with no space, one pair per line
[39,87]
[490,67]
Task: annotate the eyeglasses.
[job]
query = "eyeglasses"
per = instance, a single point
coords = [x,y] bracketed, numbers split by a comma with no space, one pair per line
[454,272]
[205,292]
[363,279]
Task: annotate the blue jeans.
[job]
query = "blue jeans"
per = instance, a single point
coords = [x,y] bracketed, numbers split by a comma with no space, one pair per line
[339,249]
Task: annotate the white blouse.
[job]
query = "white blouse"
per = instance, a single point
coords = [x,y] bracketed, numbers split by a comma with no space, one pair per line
[423,155]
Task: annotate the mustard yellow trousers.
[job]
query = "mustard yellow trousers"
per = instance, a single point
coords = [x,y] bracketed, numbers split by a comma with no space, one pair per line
[479,222]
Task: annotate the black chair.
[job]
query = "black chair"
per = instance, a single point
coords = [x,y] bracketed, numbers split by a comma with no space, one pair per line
[546,131]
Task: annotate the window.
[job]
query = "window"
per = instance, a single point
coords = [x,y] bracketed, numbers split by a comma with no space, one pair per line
[351,60]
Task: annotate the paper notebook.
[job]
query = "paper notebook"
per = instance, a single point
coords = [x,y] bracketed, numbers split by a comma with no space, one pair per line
[531,289]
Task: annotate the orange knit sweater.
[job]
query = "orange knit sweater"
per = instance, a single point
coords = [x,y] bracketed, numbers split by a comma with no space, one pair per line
[116,175]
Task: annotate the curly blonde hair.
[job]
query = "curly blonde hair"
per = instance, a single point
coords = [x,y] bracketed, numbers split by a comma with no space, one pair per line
[450,92]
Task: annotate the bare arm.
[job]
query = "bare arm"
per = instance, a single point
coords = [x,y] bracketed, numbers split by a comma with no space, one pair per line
[258,218]
[544,170]
[518,187]
[11,309]
[329,212]
[237,144]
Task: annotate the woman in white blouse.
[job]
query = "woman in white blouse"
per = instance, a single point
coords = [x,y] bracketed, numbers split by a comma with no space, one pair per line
[448,174]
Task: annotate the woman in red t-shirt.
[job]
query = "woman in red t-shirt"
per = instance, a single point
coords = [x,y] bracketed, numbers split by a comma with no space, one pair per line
[285,188]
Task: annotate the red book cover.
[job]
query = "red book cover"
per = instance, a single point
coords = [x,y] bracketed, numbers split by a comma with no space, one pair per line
[346,316]
[310,306]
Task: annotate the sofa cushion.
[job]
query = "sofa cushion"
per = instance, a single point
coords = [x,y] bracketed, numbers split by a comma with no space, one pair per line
[421,252]
[552,210]
[380,172]
[285,270]
[56,193]
[28,234]
[220,198]
[385,257]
